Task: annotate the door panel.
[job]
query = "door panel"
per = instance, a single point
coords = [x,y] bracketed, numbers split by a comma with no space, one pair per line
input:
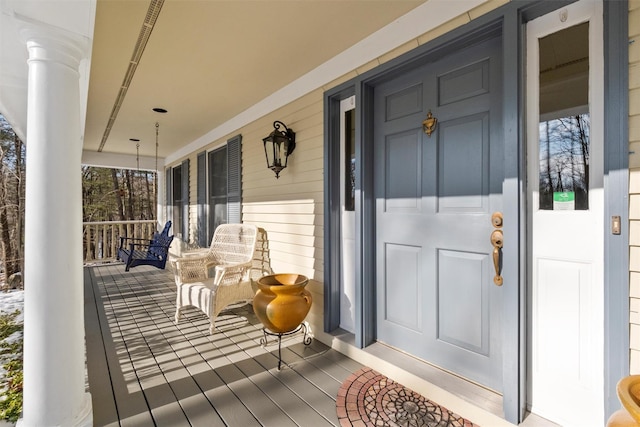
[468,191]
[464,83]
[434,199]
[404,102]
[562,302]
[402,297]
[403,172]
[463,322]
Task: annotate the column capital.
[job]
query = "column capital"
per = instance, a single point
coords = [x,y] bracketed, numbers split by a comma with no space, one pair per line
[46,42]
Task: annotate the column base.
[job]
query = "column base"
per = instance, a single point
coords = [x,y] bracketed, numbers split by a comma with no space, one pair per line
[84,418]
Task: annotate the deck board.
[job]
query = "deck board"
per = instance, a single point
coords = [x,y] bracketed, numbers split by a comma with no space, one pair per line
[227,405]
[309,393]
[98,366]
[289,402]
[146,370]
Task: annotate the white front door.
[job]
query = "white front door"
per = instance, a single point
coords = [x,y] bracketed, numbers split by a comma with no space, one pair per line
[347,212]
[566,214]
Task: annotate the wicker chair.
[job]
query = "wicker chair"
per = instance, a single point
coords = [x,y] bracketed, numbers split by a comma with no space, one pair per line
[221,276]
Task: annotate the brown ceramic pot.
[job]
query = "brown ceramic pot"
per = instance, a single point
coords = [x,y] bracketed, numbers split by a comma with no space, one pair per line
[282,302]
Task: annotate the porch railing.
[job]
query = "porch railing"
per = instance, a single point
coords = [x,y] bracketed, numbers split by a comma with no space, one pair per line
[101,239]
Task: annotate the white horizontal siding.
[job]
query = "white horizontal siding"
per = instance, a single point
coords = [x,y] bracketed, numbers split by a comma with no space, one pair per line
[289,208]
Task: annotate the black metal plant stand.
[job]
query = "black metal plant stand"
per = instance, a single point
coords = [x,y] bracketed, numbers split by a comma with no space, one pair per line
[306,338]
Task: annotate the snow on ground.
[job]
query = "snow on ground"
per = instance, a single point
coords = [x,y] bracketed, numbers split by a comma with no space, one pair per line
[9,303]
[12,301]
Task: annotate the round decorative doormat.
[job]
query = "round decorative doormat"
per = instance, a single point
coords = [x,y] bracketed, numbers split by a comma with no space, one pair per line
[368,398]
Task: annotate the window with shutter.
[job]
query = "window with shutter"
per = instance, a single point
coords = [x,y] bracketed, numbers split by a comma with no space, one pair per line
[185,201]
[225,184]
[178,199]
[201,231]
[217,188]
[169,194]
[234,179]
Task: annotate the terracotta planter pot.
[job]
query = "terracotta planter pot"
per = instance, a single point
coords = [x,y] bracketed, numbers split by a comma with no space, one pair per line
[282,302]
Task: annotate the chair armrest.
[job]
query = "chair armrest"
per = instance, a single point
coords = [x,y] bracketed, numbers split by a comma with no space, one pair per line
[195,253]
[143,245]
[231,266]
[229,274]
[192,259]
[159,251]
[123,239]
[136,239]
[191,268]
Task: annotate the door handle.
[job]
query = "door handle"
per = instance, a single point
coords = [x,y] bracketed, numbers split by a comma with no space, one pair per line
[497,241]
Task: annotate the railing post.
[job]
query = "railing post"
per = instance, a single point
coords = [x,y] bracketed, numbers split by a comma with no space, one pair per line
[88,243]
[102,238]
[105,244]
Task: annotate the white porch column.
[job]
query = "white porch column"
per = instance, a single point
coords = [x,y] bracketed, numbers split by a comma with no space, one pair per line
[54,385]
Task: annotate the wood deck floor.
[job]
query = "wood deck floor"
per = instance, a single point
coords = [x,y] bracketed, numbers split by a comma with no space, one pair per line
[144,370]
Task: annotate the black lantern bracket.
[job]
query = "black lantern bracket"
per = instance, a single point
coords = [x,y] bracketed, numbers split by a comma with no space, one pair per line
[278,146]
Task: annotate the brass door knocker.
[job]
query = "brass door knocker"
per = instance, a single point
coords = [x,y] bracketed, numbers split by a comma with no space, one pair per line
[429,124]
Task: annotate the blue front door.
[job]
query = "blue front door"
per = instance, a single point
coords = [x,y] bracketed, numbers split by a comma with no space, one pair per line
[435,196]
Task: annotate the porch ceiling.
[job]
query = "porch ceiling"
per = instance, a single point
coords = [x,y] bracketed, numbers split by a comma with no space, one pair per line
[207,61]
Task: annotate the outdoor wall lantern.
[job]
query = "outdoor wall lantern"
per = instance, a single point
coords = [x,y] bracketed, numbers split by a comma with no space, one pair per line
[278,145]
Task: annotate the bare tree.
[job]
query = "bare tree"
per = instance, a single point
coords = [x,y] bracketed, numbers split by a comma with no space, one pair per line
[118,194]
[564,163]
[149,193]
[10,264]
[11,197]
[19,191]
[129,198]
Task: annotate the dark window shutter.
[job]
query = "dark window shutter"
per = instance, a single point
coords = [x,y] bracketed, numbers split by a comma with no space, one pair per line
[201,232]
[168,192]
[234,179]
[185,200]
